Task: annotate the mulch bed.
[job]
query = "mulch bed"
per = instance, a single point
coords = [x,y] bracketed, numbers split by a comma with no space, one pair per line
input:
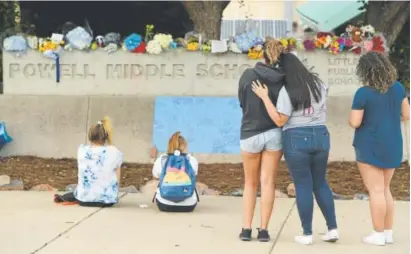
[343,177]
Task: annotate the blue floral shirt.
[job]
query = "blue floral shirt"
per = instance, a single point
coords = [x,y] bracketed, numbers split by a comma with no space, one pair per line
[97,179]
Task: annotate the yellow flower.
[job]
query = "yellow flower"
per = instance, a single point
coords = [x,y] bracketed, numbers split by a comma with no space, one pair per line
[94,46]
[284,42]
[255,54]
[206,47]
[192,46]
[48,45]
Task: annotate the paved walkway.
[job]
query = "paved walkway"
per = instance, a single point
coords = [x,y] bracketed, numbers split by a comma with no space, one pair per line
[31,223]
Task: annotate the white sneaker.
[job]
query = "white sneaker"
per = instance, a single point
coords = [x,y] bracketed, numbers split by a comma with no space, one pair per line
[331,236]
[388,236]
[304,239]
[375,238]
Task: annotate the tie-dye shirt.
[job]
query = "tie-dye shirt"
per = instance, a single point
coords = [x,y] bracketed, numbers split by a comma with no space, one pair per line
[97,179]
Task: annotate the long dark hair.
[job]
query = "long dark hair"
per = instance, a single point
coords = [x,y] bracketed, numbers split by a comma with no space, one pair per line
[300,83]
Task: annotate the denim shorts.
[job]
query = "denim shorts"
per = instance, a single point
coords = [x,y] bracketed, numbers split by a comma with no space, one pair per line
[267,141]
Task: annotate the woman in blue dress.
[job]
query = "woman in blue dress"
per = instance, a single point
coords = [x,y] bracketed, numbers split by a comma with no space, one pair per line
[377,111]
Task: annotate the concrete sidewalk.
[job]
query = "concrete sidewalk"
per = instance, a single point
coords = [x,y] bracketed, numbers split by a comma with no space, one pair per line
[31,223]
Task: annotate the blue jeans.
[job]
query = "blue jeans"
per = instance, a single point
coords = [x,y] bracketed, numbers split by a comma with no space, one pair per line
[306,152]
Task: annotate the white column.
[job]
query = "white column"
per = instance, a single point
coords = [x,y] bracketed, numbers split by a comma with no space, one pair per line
[289,13]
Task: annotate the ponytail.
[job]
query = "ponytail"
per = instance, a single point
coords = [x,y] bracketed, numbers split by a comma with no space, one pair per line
[273,49]
[108,130]
[176,142]
[102,132]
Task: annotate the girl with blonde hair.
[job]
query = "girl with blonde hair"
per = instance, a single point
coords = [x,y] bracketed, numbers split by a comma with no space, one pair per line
[99,170]
[177,145]
[260,139]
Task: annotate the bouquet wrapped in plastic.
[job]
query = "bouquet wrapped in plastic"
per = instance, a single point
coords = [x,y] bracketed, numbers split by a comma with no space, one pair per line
[114,38]
[52,50]
[79,38]
[164,40]
[15,43]
[248,40]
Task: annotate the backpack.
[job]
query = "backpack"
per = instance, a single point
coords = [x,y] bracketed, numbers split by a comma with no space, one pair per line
[178,179]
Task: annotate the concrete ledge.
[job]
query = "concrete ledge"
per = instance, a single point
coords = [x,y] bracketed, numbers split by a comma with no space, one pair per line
[46,126]
[132,118]
[176,72]
[54,126]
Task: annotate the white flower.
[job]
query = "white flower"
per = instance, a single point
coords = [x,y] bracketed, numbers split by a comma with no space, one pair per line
[164,40]
[153,47]
[111,47]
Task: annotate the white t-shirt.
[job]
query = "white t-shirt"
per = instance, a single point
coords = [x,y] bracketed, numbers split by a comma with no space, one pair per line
[314,116]
[97,179]
[158,168]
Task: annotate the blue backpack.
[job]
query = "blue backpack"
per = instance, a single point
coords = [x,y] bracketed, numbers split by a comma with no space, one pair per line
[178,179]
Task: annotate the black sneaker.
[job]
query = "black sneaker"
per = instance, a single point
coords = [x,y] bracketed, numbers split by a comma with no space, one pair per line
[245,235]
[263,235]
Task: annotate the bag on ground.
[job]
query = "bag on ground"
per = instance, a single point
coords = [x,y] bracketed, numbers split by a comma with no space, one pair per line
[177,180]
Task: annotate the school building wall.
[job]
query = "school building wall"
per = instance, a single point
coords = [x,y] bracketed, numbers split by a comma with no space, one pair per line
[142,93]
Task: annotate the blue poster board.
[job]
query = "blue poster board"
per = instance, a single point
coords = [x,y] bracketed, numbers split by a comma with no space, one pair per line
[210,124]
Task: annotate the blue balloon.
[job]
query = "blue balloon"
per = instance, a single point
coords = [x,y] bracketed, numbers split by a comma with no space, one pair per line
[4,137]
[132,41]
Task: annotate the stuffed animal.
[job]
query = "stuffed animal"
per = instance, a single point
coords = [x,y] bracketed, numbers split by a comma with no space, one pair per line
[356,35]
[100,41]
[367,32]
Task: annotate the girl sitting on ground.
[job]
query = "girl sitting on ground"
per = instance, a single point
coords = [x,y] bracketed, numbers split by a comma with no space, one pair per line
[98,169]
[178,148]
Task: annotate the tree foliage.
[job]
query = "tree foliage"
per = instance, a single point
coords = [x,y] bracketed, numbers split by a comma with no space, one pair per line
[206,16]
[392,18]
[10,24]
[387,17]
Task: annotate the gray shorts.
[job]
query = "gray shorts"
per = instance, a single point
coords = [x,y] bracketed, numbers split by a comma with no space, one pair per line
[270,141]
